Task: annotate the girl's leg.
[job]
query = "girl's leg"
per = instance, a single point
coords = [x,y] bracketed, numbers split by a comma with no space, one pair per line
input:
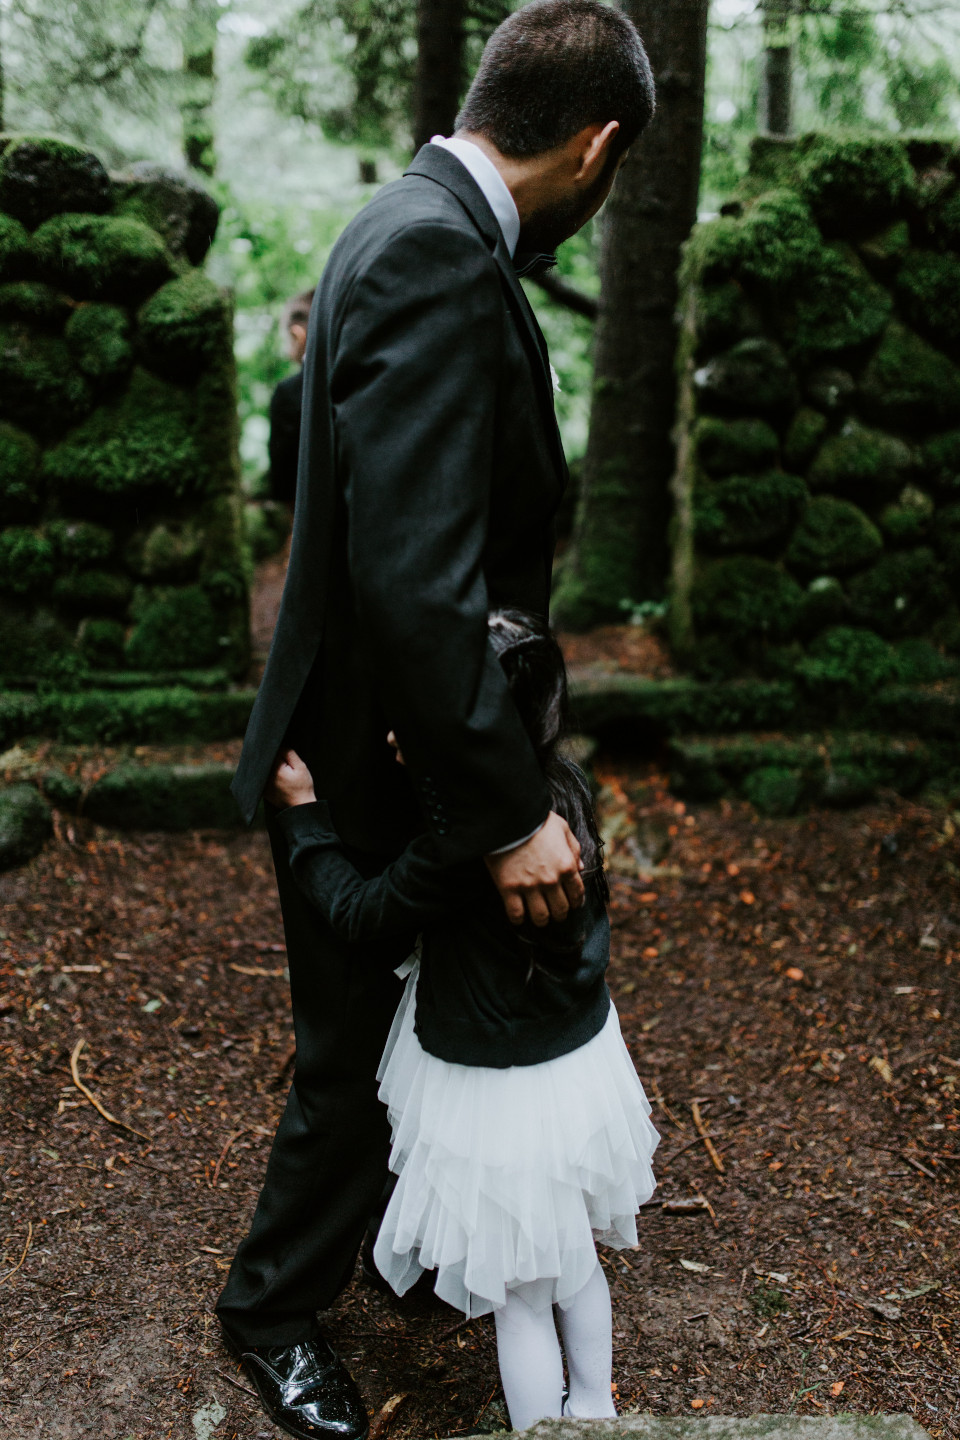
[588,1344]
[530,1365]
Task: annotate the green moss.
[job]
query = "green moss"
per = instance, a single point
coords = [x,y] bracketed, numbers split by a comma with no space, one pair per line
[24,825]
[910,383]
[726,446]
[849,657]
[746,512]
[774,790]
[171,203]
[164,797]
[77,542]
[773,241]
[101,643]
[144,441]
[833,307]
[945,218]
[753,375]
[14,248]
[26,561]
[96,590]
[20,493]
[60,789]
[745,598]
[830,388]
[824,603]
[39,385]
[724,315]
[941,458]
[266,526]
[902,594]
[30,640]
[833,535]
[174,628]
[99,338]
[929,288]
[861,459]
[42,176]
[920,663]
[883,250]
[946,538]
[907,522]
[105,257]
[803,437]
[851,181]
[35,303]
[170,550]
[184,325]
[139,716]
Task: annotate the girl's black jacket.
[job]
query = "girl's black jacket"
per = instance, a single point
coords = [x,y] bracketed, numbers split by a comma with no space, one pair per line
[490,993]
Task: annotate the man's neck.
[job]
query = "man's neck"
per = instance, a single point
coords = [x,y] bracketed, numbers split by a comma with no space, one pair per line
[527,180]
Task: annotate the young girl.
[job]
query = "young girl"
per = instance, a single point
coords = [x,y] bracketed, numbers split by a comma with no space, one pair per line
[520,1129]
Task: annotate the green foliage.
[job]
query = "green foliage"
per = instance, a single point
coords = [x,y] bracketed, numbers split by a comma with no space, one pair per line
[850,181]
[93,590]
[929,288]
[174,628]
[909,383]
[32,641]
[109,717]
[78,542]
[747,512]
[39,385]
[850,658]
[907,522]
[20,493]
[765,1300]
[101,643]
[35,303]
[919,91]
[947,540]
[42,176]
[803,437]
[726,446]
[835,306]
[921,663]
[833,535]
[26,561]
[109,257]
[887,247]
[185,324]
[170,550]
[773,241]
[861,458]
[140,442]
[25,824]
[753,375]
[14,248]
[773,790]
[724,315]
[746,598]
[941,456]
[902,594]
[99,338]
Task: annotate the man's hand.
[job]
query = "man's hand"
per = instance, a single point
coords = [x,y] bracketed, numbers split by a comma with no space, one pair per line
[541,877]
[291,783]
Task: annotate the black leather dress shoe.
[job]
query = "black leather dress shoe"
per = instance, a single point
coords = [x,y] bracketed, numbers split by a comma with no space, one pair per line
[306,1390]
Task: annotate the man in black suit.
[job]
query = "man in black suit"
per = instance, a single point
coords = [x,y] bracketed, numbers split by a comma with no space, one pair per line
[286,403]
[430,471]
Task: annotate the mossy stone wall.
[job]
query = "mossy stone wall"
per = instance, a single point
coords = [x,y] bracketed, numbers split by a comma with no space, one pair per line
[121,525]
[817,523]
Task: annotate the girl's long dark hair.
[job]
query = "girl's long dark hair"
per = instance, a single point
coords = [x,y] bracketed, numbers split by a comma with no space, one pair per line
[537,676]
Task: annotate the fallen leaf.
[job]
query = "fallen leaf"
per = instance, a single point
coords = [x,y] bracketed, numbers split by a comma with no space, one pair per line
[882,1068]
[794,973]
[695,1266]
[885,1309]
[837,1387]
[747,898]
[697,1404]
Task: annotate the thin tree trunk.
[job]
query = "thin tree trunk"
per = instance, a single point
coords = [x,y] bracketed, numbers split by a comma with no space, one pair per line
[199,78]
[440,37]
[776,84]
[620,552]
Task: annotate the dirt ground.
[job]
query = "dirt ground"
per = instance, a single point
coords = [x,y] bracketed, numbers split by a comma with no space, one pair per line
[796,979]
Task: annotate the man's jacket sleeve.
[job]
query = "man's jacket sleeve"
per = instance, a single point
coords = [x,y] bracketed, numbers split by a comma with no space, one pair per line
[414,385]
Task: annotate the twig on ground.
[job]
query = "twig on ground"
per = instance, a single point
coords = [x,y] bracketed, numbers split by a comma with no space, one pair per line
[235,1383]
[75,1073]
[381,1423]
[223,1155]
[10,1273]
[702,1131]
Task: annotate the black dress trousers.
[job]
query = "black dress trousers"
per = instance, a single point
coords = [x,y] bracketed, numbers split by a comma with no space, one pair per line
[328,1165]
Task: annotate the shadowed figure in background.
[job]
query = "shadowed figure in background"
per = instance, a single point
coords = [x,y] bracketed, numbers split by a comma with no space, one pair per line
[430,472]
[286,403]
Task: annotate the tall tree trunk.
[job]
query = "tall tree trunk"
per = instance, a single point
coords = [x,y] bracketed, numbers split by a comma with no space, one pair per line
[199,82]
[620,552]
[776,83]
[440,37]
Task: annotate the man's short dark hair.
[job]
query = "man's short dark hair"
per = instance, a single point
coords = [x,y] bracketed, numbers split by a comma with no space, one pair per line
[554,67]
[297,310]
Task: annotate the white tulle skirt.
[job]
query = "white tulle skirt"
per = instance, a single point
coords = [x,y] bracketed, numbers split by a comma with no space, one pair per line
[506,1177]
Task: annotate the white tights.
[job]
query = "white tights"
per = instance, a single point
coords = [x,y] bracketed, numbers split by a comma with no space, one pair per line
[530,1364]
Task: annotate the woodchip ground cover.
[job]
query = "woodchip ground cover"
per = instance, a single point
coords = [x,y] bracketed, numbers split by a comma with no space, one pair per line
[794,980]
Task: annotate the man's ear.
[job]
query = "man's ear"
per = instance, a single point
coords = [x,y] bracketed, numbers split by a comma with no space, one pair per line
[593,155]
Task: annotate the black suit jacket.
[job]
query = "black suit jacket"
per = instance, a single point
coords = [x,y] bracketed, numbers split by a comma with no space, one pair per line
[430,472]
[286,405]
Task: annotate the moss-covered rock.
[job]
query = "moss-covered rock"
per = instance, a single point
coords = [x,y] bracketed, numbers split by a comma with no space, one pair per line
[35,303]
[101,643]
[772,241]
[143,441]
[174,628]
[920,663]
[910,383]
[41,176]
[266,525]
[33,641]
[946,538]
[96,591]
[60,789]
[928,285]
[825,603]
[25,824]
[773,789]
[834,307]
[171,550]
[852,182]
[40,386]
[724,315]
[746,598]
[15,252]
[806,430]
[26,561]
[850,658]
[171,203]
[830,389]
[727,446]
[100,341]
[78,542]
[833,536]
[902,594]
[746,512]
[184,324]
[886,248]
[941,458]
[861,459]
[108,257]
[753,375]
[164,797]
[20,492]
[907,522]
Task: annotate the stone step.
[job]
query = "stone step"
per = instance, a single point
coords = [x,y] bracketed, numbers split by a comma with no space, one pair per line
[726,1427]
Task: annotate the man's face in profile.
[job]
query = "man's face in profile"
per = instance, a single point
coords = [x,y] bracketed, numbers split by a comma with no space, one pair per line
[548,229]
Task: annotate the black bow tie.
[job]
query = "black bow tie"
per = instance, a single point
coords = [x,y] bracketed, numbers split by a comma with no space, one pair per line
[530,263]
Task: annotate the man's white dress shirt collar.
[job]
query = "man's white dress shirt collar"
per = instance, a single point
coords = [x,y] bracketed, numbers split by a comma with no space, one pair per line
[491,182]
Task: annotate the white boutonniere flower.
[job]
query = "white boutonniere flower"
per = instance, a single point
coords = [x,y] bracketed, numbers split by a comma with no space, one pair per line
[556,379]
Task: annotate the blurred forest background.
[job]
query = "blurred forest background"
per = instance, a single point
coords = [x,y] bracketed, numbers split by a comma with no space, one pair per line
[294,110]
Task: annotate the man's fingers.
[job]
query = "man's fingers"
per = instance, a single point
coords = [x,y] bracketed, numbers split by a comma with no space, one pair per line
[557,902]
[537,908]
[513,904]
[573,889]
